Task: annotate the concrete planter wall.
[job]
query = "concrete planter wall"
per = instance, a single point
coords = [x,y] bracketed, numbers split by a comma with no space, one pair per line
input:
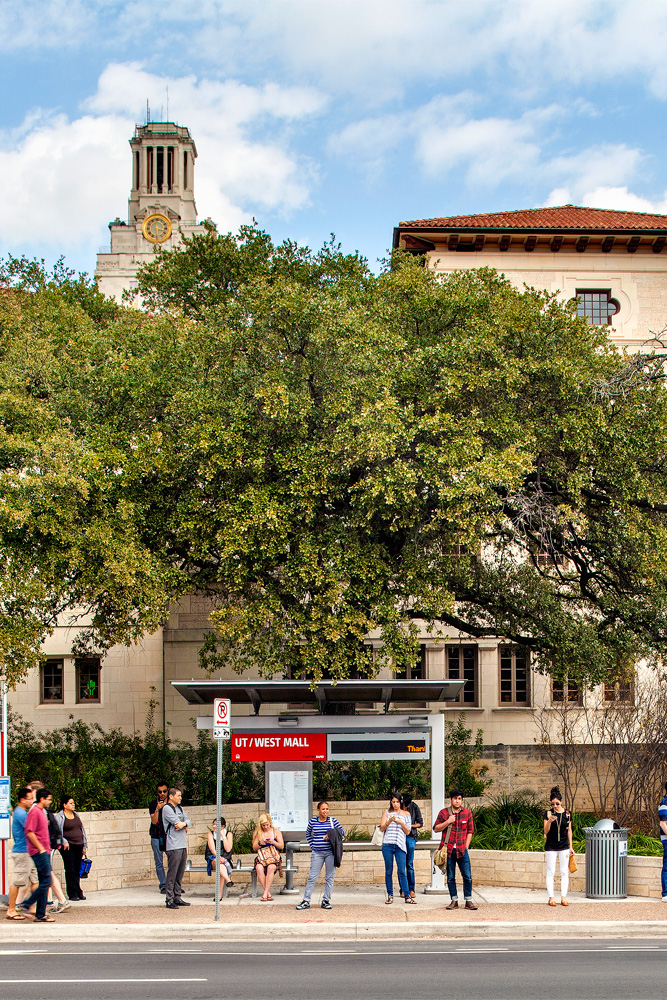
[119,844]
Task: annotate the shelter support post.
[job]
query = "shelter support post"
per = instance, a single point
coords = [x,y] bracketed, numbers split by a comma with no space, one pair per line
[437,724]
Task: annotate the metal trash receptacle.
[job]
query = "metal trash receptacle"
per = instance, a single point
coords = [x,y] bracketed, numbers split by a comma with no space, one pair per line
[606,860]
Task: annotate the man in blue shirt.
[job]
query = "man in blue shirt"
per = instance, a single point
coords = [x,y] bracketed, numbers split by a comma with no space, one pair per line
[662,819]
[317,836]
[22,865]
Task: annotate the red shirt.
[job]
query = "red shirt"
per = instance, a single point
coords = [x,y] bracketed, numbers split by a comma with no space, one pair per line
[37,823]
[461,828]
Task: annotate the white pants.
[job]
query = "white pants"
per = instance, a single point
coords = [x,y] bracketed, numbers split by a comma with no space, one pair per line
[564,858]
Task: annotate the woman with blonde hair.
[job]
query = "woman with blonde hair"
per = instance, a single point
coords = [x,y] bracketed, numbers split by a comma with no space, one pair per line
[268,842]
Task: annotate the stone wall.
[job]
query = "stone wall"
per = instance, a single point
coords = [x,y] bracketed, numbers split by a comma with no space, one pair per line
[119,846]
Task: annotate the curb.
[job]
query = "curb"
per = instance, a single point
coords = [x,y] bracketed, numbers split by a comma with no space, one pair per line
[109,933]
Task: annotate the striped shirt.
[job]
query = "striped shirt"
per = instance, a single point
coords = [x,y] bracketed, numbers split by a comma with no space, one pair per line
[395,834]
[662,817]
[316,831]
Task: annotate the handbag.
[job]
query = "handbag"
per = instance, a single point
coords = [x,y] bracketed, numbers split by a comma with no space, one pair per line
[270,855]
[572,864]
[84,867]
[377,838]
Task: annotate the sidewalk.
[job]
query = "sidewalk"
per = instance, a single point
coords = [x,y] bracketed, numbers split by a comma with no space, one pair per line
[139,914]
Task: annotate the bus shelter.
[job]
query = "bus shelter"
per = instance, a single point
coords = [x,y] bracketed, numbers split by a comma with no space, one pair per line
[400,732]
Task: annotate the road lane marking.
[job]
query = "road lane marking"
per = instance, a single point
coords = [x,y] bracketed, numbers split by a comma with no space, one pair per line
[151,980]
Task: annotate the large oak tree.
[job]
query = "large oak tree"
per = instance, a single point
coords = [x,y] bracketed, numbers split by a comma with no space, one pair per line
[326,452]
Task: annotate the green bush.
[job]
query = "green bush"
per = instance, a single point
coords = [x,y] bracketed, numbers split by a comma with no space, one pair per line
[515,823]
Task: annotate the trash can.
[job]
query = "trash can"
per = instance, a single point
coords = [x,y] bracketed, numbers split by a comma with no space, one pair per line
[606,860]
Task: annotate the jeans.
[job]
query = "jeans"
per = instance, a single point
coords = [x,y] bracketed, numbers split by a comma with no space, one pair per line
[41,893]
[410,862]
[159,864]
[176,866]
[464,867]
[316,862]
[389,852]
[664,869]
[564,858]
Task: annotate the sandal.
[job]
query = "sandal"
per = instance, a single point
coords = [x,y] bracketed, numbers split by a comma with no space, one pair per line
[564,902]
[389,900]
[552,902]
[15,916]
[45,920]
[270,898]
[409,899]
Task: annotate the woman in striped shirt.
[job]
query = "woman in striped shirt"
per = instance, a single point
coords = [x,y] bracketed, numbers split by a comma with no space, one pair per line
[395,825]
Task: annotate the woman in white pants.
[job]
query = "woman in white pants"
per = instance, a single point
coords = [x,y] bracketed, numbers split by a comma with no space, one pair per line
[558,845]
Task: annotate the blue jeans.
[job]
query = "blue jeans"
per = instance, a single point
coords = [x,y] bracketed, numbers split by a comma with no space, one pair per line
[159,863]
[464,867]
[318,859]
[664,868]
[410,862]
[389,852]
[41,893]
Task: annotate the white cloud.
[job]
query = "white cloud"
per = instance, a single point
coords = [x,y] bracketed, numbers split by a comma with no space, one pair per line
[61,180]
[619,198]
[444,136]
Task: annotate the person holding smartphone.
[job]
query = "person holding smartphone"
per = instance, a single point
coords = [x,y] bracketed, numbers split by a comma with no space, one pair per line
[558,845]
[157,834]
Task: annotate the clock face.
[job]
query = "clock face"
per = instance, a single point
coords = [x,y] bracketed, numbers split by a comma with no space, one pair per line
[156,228]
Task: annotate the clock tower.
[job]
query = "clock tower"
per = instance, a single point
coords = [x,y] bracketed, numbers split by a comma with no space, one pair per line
[161,207]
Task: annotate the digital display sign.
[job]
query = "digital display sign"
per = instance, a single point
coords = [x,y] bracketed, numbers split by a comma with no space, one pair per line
[378,746]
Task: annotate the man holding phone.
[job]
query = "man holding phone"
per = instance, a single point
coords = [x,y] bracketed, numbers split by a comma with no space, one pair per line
[157,831]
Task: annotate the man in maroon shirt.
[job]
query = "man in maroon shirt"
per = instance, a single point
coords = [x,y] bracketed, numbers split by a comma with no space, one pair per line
[39,849]
[456,826]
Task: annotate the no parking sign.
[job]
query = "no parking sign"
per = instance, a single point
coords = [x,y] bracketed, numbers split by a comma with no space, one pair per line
[222,714]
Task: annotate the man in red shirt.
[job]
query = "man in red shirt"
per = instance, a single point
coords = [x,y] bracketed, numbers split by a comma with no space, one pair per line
[456,826]
[39,849]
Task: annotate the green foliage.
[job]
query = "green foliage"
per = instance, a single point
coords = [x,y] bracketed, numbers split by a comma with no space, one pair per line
[107,769]
[370,779]
[460,757]
[314,447]
[515,823]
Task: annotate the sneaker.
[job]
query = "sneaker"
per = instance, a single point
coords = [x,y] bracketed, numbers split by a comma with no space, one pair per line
[326,905]
[303,905]
[54,906]
[63,906]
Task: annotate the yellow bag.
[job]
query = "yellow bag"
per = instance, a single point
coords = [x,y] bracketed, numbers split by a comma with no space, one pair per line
[572,864]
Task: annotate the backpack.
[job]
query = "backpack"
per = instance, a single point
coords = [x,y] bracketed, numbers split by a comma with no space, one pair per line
[55,835]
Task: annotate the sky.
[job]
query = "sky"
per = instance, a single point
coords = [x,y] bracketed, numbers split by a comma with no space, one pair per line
[329,116]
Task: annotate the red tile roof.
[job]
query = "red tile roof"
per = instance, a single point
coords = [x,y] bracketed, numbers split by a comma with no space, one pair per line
[560,217]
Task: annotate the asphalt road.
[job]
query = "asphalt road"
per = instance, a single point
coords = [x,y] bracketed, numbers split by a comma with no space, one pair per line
[453,970]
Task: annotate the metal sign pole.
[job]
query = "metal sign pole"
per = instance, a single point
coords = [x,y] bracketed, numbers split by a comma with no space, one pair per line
[222,711]
[218,832]
[4,770]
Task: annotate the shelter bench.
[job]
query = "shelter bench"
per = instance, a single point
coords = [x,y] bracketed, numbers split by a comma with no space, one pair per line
[289,868]
[348,845]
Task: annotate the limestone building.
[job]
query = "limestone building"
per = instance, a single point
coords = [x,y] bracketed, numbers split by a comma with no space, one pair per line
[614,263]
[161,206]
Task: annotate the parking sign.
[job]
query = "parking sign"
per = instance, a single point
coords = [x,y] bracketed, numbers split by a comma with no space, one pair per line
[222,713]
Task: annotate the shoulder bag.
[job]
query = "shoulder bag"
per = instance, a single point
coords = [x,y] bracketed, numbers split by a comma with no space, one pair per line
[440,856]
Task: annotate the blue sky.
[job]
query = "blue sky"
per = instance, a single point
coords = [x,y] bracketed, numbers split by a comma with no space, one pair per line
[321,116]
